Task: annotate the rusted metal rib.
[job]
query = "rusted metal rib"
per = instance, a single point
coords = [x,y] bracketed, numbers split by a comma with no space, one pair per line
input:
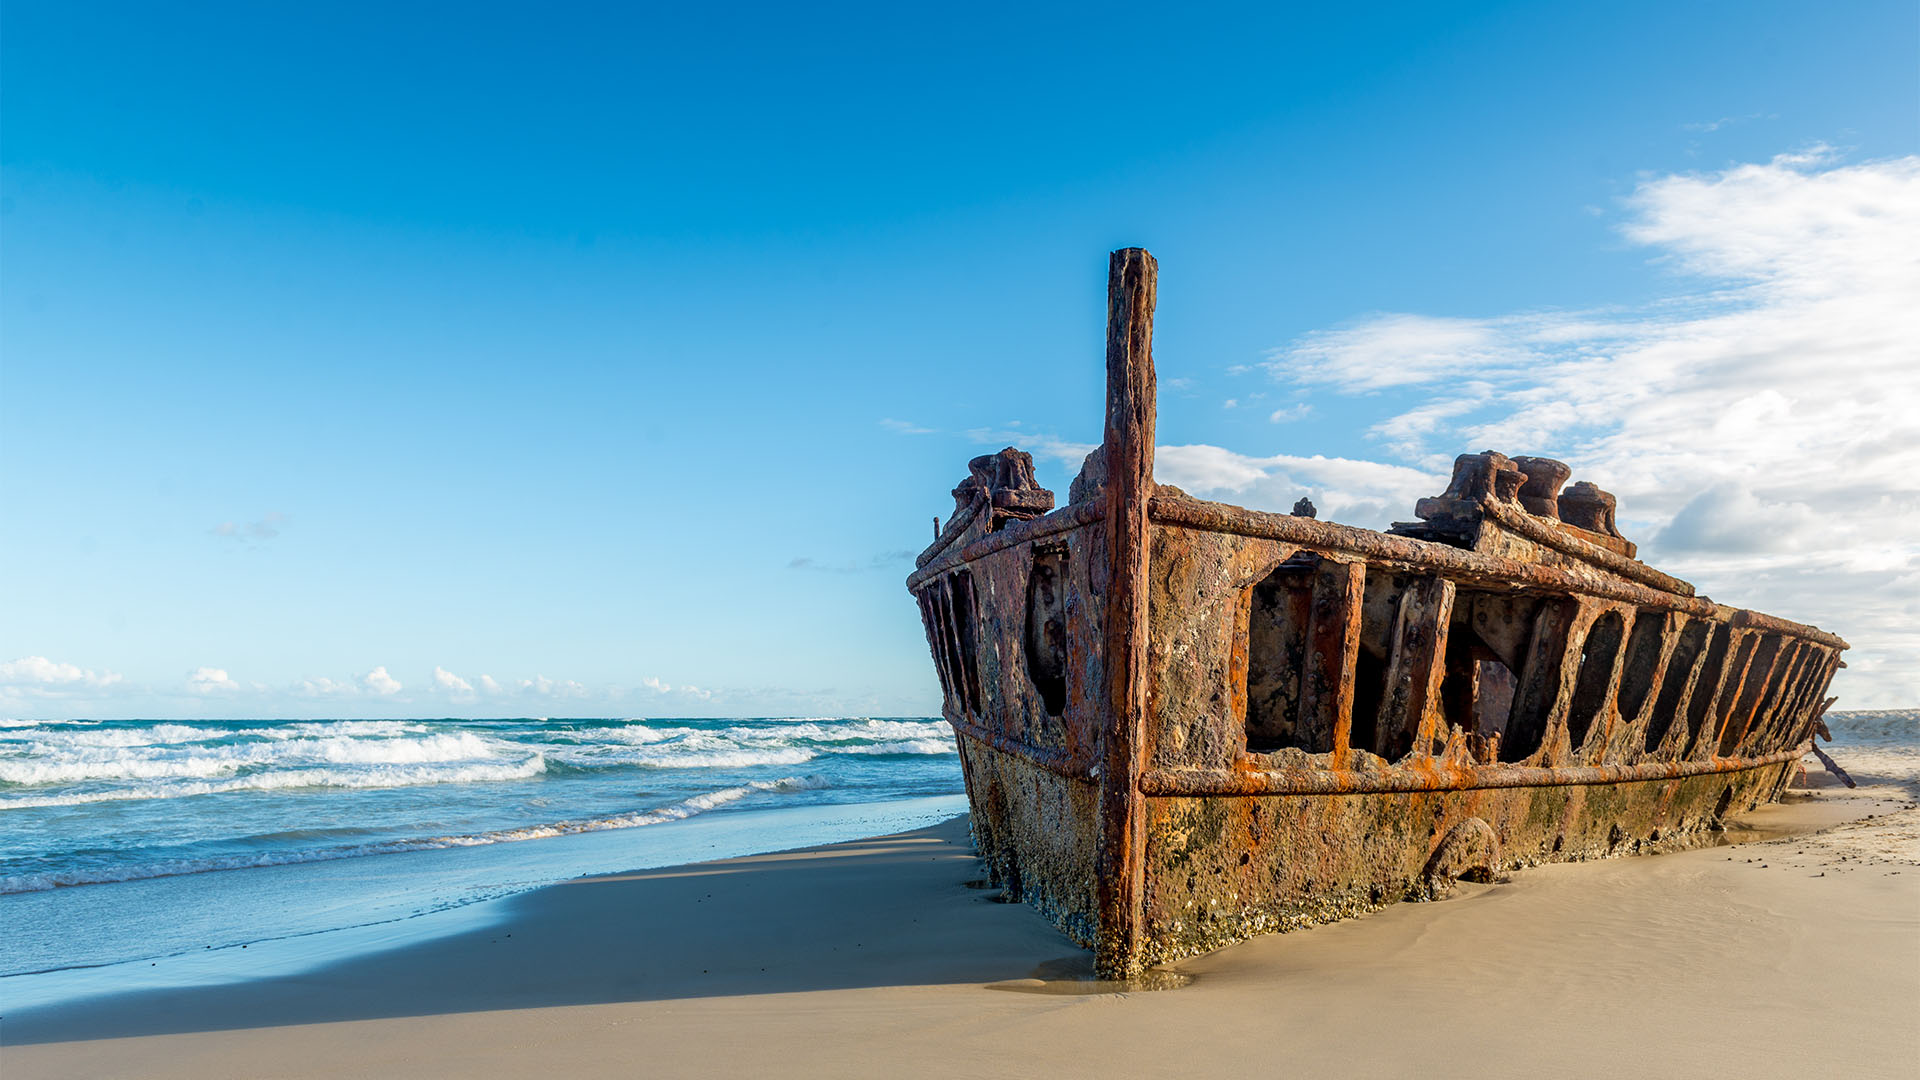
[1468,566]
[1058,762]
[955,527]
[1761,621]
[1519,521]
[1433,776]
[1018,532]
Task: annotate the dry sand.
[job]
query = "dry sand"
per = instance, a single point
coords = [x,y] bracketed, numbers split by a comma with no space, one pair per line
[1791,957]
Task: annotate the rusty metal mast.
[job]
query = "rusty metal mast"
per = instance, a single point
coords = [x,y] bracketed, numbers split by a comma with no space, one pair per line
[1128,442]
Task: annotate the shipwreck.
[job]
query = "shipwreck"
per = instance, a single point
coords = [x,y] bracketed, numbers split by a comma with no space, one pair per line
[1183,723]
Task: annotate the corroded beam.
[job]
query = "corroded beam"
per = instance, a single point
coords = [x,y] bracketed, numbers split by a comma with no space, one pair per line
[1760,620]
[1465,567]
[1540,532]
[1439,776]
[1333,651]
[1017,532]
[1119,862]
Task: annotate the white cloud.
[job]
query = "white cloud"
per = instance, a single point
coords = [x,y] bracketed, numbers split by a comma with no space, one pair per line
[1298,410]
[41,674]
[656,685]
[380,682]
[1041,446]
[1762,431]
[459,688]
[491,687]
[211,680]
[1357,492]
[321,686]
[545,687]
[903,427]
[1728,519]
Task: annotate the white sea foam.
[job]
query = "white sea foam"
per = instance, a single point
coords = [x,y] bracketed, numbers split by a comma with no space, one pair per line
[685,808]
[844,731]
[143,736]
[48,764]
[720,757]
[942,745]
[348,728]
[391,776]
[635,734]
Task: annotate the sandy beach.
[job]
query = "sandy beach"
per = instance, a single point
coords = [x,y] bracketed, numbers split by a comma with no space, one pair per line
[1792,956]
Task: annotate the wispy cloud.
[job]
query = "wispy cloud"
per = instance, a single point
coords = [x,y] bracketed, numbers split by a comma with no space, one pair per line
[882,561]
[904,427]
[266,528]
[542,686]
[1762,430]
[1040,445]
[322,686]
[1727,121]
[1358,492]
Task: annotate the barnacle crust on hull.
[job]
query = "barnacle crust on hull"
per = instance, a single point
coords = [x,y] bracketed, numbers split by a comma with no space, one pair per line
[1182,723]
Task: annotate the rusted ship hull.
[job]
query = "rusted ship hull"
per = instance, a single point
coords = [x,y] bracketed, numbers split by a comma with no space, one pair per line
[1183,723]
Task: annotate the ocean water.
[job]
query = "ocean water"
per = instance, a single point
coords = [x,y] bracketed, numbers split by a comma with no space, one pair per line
[128,840]
[1876,748]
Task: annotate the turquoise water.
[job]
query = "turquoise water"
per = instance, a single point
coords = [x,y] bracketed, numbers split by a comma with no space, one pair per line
[129,840]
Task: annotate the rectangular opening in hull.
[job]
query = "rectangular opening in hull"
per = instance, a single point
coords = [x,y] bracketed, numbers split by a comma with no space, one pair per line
[1276,653]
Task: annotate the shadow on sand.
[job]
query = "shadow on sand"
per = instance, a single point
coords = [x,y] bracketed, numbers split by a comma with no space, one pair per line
[892,911]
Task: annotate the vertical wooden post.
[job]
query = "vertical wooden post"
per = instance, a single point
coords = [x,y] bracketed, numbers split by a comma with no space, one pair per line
[1119,866]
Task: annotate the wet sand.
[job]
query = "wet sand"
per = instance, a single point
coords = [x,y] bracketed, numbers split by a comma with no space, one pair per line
[1795,956]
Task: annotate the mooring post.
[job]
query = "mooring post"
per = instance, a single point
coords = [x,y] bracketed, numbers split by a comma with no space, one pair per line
[1119,863]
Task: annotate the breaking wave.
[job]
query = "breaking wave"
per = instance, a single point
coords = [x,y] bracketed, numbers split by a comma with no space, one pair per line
[401,776]
[63,764]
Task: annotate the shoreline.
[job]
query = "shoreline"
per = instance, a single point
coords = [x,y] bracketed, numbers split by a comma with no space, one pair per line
[1775,956]
[189,929]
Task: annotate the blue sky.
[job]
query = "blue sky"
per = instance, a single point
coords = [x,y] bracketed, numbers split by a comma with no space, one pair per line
[621,355]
